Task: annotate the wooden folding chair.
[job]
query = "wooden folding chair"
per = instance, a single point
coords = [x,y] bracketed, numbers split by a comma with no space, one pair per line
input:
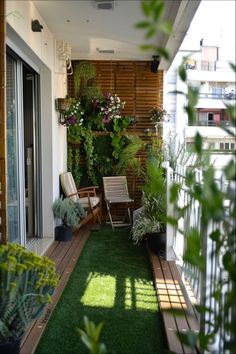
[85,196]
[116,192]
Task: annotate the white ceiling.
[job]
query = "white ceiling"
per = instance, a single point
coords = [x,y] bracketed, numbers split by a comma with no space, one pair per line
[88,29]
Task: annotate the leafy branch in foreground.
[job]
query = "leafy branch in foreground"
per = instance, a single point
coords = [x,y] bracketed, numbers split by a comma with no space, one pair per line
[211,199]
[91,336]
[153,10]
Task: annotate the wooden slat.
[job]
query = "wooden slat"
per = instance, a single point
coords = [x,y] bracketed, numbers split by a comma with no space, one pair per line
[65,254]
[165,304]
[171,294]
[192,316]
[177,301]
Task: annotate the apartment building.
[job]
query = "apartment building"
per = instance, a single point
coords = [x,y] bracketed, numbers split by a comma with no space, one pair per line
[216,83]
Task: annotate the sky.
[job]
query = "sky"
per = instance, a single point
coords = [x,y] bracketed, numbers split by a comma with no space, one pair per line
[214,22]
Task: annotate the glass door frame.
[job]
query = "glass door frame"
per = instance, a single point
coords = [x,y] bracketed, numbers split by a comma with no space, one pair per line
[20,163]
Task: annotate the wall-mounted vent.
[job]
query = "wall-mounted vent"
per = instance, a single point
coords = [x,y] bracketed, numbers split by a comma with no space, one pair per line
[105,51]
[104,4]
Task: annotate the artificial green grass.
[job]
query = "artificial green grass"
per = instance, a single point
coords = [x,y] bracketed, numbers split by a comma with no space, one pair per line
[111,282]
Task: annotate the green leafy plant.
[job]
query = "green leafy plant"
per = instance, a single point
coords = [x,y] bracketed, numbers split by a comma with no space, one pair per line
[143,225]
[89,154]
[118,139]
[27,282]
[211,199]
[90,336]
[128,161]
[153,215]
[84,72]
[153,11]
[68,211]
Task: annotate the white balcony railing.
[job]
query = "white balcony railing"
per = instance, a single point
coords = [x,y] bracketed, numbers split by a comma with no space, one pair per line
[203,284]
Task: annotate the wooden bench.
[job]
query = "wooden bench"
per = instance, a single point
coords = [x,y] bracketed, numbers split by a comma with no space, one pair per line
[171,294]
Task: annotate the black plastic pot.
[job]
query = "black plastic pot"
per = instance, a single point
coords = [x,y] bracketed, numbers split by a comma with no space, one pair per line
[157,243]
[11,347]
[63,233]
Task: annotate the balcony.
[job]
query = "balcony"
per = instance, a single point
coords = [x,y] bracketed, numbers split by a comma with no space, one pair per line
[218,96]
[210,71]
[206,65]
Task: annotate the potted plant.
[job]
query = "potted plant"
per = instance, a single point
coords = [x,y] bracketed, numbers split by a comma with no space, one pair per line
[69,213]
[27,283]
[84,74]
[150,225]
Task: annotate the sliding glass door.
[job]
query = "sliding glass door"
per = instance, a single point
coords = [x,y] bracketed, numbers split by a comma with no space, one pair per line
[23,178]
[13,180]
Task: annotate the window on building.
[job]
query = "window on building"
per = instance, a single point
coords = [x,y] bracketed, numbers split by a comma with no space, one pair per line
[227,146]
[222,146]
[217,92]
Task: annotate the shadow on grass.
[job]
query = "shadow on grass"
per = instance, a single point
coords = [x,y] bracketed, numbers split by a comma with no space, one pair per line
[112,282]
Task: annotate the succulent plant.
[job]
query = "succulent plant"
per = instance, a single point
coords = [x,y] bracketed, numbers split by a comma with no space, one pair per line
[27,282]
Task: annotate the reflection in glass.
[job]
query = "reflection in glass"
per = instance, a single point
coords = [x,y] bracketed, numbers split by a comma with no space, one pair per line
[12,155]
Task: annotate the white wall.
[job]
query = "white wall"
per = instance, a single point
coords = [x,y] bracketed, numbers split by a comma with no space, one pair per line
[38,50]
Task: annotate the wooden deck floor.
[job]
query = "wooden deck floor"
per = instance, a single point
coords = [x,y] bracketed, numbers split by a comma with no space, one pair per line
[65,255]
[167,282]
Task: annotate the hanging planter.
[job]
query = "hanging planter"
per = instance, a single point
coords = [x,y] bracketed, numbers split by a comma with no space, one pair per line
[62,104]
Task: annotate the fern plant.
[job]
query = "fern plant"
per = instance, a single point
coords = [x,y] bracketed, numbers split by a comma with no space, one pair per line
[27,282]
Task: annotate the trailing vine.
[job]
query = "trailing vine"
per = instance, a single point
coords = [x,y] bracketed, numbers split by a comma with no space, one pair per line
[69,158]
[76,166]
[89,152]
